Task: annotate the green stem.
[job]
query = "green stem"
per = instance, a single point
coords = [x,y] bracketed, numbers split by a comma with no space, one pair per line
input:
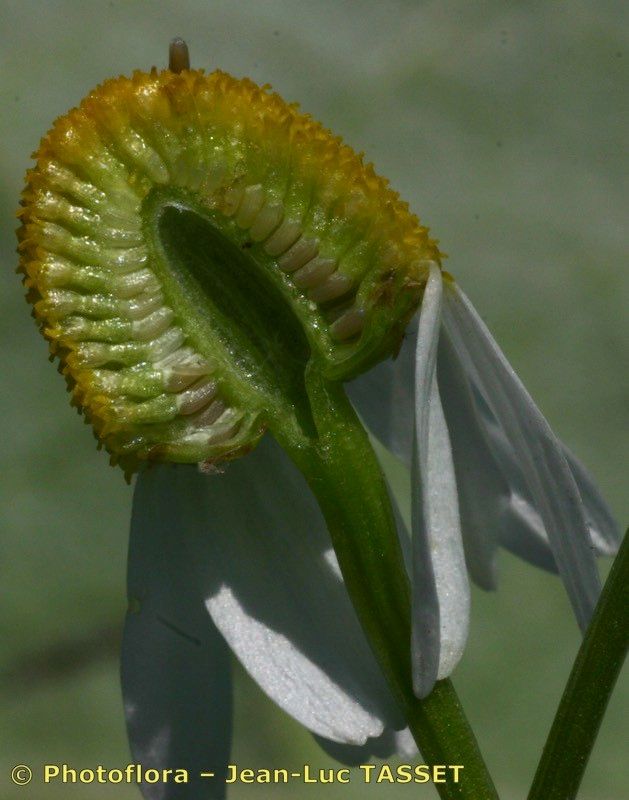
[343,472]
[588,690]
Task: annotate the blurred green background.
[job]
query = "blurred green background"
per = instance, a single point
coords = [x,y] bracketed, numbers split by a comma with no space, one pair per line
[501,124]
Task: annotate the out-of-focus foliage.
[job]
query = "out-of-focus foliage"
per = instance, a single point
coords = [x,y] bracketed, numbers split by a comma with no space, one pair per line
[501,125]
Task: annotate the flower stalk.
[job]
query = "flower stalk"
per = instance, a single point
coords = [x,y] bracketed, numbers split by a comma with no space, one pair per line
[343,473]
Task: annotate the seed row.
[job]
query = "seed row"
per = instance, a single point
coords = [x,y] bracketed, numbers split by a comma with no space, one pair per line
[103,303]
[296,255]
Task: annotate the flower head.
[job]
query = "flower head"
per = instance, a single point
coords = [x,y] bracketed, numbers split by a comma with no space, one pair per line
[131,192]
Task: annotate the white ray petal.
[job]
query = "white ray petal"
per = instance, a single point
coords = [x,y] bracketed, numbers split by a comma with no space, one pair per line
[440,588]
[483,492]
[384,398]
[175,665]
[545,470]
[604,529]
[522,532]
[390,743]
[273,588]
[520,528]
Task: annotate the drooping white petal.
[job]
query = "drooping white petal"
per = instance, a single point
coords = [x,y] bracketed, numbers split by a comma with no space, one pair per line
[520,527]
[545,470]
[522,532]
[384,398]
[440,588]
[272,585]
[403,527]
[389,743]
[175,665]
[604,529]
[482,490]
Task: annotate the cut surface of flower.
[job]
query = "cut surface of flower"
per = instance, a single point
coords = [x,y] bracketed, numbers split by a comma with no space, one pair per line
[190,242]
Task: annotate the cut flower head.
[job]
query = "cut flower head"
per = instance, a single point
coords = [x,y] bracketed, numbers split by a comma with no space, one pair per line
[210,264]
